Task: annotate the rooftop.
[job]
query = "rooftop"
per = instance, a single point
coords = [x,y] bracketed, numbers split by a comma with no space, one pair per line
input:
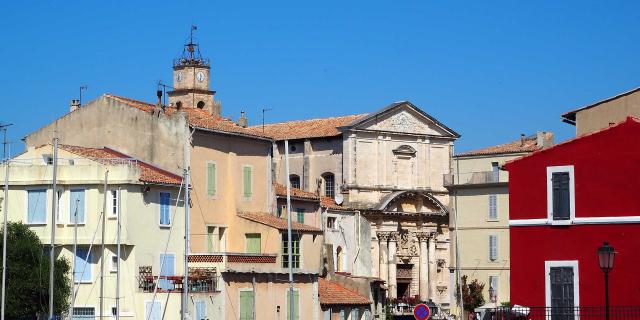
[278,223]
[528,144]
[332,293]
[304,129]
[570,117]
[329,203]
[281,191]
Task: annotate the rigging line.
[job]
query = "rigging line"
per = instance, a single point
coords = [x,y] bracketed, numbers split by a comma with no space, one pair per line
[166,247]
[84,266]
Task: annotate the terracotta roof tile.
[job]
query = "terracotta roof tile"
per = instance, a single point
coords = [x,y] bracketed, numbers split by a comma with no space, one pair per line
[197,118]
[148,173]
[329,203]
[281,191]
[529,144]
[275,222]
[332,293]
[302,129]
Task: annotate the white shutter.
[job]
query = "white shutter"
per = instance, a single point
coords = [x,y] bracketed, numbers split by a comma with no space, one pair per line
[493,247]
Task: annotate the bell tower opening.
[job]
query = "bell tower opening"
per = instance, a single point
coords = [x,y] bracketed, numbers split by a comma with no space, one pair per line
[191,79]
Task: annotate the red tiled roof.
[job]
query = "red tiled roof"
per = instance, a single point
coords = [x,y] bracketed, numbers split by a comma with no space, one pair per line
[275,222]
[529,144]
[302,129]
[148,173]
[329,203]
[197,118]
[281,191]
[332,293]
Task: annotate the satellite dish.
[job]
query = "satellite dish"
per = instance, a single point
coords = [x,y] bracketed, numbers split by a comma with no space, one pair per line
[338,198]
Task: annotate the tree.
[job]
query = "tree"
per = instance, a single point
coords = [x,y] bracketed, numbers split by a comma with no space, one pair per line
[471,293]
[28,276]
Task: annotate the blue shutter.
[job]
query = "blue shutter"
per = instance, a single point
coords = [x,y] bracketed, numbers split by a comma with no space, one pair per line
[152,310]
[493,247]
[166,270]
[37,206]
[201,310]
[82,269]
[165,199]
[77,202]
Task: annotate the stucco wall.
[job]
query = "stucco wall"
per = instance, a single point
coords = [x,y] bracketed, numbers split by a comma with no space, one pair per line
[600,116]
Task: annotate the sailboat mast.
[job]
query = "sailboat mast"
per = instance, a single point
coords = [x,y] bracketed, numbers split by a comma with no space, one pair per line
[118,256]
[102,256]
[187,182]
[289,242]
[75,250]
[4,235]
[54,211]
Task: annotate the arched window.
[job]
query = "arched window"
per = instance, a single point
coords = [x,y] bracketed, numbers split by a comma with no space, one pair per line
[294,179]
[328,180]
[339,259]
[200,104]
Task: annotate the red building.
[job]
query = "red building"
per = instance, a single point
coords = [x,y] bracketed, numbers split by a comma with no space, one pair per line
[565,201]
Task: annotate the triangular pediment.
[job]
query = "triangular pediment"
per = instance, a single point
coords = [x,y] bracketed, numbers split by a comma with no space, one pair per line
[403,117]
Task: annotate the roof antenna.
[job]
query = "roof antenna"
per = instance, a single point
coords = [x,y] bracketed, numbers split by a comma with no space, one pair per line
[82,88]
[3,127]
[263,111]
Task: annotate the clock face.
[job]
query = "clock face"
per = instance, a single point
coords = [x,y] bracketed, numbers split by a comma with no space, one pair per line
[179,77]
[200,76]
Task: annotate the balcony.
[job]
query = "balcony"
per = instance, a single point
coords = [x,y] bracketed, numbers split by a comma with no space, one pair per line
[225,261]
[475,178]
[201,280]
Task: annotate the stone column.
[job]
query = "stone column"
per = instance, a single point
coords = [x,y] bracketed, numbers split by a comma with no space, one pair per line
[432,265]
[383,258]
[375,252]
[393,285]
[423,237]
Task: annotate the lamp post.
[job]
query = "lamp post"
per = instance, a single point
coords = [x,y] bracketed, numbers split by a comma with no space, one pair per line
[606,255]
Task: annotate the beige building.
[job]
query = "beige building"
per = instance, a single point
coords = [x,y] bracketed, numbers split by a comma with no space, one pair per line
[139,196]
[387,165]
[234,232]
[480,202]
[604,113]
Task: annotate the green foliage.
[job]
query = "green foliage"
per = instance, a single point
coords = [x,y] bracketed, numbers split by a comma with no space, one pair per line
[28,275]
[471,293]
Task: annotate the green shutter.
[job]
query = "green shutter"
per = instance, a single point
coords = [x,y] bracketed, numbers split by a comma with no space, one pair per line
[246,305]
[300,215]
[296,305]
[211,179]
[247,181]
[253,242]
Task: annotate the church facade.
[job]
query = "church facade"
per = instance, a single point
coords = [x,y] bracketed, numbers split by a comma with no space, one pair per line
[388,165]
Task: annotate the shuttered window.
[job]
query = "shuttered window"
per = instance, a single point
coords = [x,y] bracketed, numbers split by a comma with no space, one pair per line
[37,206]
[167,269]
[201,310]
[562,294]
[296,305]
[246,176]
[152,310]
[493,207]
[77,206]
[493,247]
[561,196]
[355,314]
[295,251]
[246,305]
[82,270]
[253,242]
[211,179]
[493,283]
[300,214]
[165,199]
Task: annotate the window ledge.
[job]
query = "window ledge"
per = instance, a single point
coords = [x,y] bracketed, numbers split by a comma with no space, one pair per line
[493,220]
[37,224]
[112,217]
[164,226]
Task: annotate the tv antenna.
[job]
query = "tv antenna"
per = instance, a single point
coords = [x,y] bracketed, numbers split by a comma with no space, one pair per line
[164,91]
[263,111]
[4,127]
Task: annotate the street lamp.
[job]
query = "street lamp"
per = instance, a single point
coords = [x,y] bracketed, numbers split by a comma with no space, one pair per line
[606,255]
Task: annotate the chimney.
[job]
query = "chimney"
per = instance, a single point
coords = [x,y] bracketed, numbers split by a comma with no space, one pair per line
[544,139]
[74,105]
[242,121]
[522,139]
[159,95]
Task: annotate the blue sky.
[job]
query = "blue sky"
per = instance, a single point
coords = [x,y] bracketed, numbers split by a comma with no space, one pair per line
[488,69]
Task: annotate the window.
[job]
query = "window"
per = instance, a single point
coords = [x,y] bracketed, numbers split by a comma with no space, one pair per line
[211,179]
[493,247]
[355,314]
[493,283]
[246,305]
[114,203]
[211,237]
[165,217]
[167,265]
[83,313]
[295,250]
[560,194]
[329,185]
[296,305]
[59,214]
[331,222]
[246,178]
[201,310]
[252,241]
[152,310]
[339,259]
[282,211]
[300,214]
[48,159]
[495,172]
[113,266]
[562,288]
[343,315]
[76,206]
[200,104]
[82,270]
[114,311]
[294,180]
[37,206]
[493,207]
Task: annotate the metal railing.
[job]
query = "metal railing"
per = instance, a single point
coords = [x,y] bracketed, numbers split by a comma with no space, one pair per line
[561,313]
[470,178]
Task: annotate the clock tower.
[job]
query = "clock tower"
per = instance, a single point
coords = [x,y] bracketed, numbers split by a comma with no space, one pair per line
[191,76]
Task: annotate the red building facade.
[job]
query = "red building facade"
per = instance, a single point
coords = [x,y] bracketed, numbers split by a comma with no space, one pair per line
[566,201]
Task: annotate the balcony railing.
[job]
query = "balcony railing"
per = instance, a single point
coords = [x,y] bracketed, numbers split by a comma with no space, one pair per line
[200,280]
[561,313]
[473,178]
